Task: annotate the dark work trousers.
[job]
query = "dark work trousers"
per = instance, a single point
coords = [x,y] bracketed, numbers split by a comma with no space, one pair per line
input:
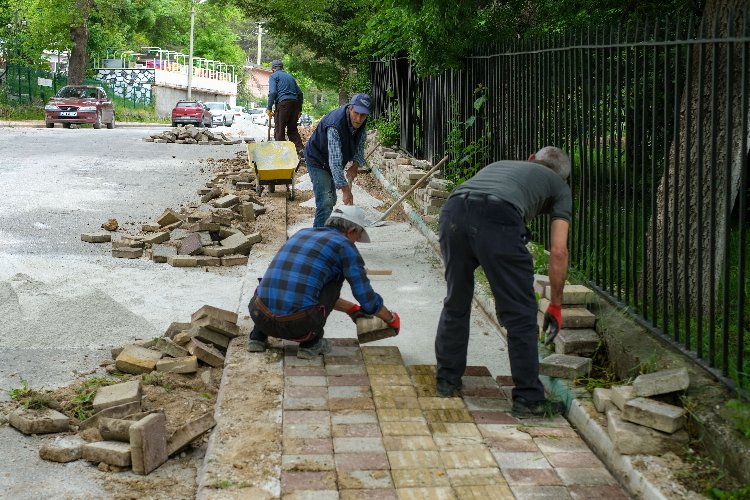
[286,123]
[481,230]
[305,326]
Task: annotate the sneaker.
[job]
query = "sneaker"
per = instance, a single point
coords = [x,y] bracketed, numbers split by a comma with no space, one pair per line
[256,345]
[322,347]
[447,390]
[523,408]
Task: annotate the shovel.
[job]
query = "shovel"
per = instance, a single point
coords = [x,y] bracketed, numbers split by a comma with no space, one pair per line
[381,220]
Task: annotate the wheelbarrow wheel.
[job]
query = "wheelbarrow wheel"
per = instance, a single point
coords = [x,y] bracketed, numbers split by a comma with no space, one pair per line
[271,188]
[258,187]
[290,192]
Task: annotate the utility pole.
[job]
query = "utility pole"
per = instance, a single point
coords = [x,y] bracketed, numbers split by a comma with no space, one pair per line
[260,36]
[190,57]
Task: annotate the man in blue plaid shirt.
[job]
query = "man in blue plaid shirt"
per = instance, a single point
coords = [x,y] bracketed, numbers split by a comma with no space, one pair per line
[303,282]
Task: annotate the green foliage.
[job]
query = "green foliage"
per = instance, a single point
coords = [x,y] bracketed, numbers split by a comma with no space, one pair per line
[467,158]
[741,493]
[388,126]
[158,379]
[540,257]
[31,398]
[740,415]
[81,406]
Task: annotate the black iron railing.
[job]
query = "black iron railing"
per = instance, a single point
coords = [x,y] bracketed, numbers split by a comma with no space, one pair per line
[655,118]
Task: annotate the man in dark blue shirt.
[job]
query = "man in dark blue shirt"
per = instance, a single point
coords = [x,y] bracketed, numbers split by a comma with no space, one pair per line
[284,92]
[302,285]
[338,139]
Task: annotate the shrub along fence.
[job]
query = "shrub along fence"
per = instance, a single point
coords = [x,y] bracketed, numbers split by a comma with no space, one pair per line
[655,118]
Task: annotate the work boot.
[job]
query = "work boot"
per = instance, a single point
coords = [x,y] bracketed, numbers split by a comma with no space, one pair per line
[447,390]
[322,347]
[522,408]
[256,345]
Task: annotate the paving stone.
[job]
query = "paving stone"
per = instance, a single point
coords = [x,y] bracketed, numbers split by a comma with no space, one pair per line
[538,477]
[349,391]
[305,403]
[118,394]
[148,443]
[493,417]
[205,261]
[563,430]
[190,245]
[418,459]
[387,370]
[343,360]
[356,430]
[344,351]
[404,429]
[41,421]
[476,477]
[453,443]
[115,429]
[502,431]
[504,380]
[109,452]
[371,494]
[62,450]
[621,394]
[610,492]
[489,492]
[349,417]
[302,480]
[661,382]
[307,446]
[487,403]
[472,458]
[524,492]
[587,476]
[167,346]
[654,414]
[351,404]
[483,392]
[119,411]
[559,445]
[353,369]
[293,361]
[420,477]
[161,253]
[634,439]
[400,415]
[100,237]
[136,360]
[478,382]
[185,364]
[578,341]
[574,459]
[182,261]
[573,295]
[339,380]
[421,370]
[455,416]
[205,353]
[454,429]
[409,443]
[396,402]
[305,381]
[564,366]
[313,463]
[522,460]
[308,430]
[156,238]
[188,432]
[388,359]
[234,260]
[168,217]
[361,461]
[432,493]
[127,253]
[307,416]
[226,328]
[510,445]
[358,445]
[394,391]
[603,399]
[364,479]
[214,312]
[423,380]
[390,380]
[317,371]
[438,403]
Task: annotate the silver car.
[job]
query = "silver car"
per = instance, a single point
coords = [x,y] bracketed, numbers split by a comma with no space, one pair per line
[221,113]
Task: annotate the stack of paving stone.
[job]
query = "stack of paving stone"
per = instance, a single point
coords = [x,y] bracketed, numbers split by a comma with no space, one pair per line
[183,345]
[124,436]
[215,232]
[431,199]
[192,135]
[578,339]
[639,421]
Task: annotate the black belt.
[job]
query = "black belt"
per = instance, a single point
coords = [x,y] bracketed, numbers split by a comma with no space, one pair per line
[489,199]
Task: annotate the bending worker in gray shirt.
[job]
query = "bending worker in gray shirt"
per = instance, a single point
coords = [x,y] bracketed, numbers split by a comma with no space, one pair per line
[483,223]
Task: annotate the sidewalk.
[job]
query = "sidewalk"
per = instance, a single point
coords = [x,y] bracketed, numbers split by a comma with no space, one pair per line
[40,124]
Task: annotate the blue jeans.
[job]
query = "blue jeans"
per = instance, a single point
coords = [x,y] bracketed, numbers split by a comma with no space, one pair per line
[325,194]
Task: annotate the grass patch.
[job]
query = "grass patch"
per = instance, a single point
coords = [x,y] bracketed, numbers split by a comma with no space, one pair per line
[740,414]
[81,406]
[18,112]
[32,399]
[158,379]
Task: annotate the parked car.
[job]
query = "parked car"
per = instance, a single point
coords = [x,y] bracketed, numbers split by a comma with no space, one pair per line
[305,120]
[239,112]
[194,112]
[221,113]
[80,104]
[261,119]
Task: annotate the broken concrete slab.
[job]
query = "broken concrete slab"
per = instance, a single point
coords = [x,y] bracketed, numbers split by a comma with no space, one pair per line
[189,432]
[115,429]
[109,452]
[42,421]
[168,217]
[137,360]
[214,312]
[205,353]
[654,414]
[161,253]
[634,439]
[148,443]
[117,395]
[621,394]
[185,364]
[176,327]
[168,347]
[662,382]
[564,366]
[226,328]
[127,253]
[190,245]
[62,449]
[579,341]
[96,237]
[119,411]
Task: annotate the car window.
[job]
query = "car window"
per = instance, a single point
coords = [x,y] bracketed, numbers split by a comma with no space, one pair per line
[70,92]
[186,104]
[216,105]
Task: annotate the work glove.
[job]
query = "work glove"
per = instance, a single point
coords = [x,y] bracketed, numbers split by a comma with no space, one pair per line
[269,113]
[355,312]
[395,323]
[552,323]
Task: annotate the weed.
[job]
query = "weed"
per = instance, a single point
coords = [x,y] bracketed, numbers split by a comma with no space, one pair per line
[468,156]
[157,379]
[649,365]
[740,415]
[32,399]
[388,126]
[81,406]
[224,484]
[541,258]
[601,374]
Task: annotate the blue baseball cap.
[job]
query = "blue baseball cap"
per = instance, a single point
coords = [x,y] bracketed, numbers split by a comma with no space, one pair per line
[361,103]
[276,63]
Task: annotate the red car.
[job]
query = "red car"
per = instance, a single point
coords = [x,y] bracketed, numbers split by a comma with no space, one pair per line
[194,112]
[80,104]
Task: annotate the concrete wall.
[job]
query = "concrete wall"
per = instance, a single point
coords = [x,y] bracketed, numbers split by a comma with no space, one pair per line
[166,97]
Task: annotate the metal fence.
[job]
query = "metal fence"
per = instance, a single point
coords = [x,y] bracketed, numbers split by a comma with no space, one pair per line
[655,118]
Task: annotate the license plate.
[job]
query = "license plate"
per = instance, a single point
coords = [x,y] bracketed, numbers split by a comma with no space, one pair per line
[68,113]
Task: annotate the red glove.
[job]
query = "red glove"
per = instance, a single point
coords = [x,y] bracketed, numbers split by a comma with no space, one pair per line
[396,323]
[552,322]
[355,312]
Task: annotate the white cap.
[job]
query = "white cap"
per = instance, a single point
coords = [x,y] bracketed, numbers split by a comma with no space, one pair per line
[355,215]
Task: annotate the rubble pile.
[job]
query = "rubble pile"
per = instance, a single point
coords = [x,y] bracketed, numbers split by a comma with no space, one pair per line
[191,134]
[122,432]
[217,231]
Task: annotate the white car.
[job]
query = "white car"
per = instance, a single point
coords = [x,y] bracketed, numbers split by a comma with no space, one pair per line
[261,119]
[221,113]
[238,112]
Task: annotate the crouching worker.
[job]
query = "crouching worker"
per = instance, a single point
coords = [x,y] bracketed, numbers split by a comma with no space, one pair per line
[303,283]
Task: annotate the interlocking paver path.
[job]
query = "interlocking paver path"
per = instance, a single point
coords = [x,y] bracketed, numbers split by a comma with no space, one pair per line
[358,423]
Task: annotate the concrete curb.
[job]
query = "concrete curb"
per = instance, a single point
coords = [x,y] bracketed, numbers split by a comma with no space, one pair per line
[596,436]
[40,124]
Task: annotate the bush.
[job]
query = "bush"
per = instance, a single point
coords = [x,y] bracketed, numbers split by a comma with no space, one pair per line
[388,126]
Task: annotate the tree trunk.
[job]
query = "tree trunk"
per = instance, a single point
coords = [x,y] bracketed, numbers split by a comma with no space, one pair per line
[700,186]
[79,33]
[343,92]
